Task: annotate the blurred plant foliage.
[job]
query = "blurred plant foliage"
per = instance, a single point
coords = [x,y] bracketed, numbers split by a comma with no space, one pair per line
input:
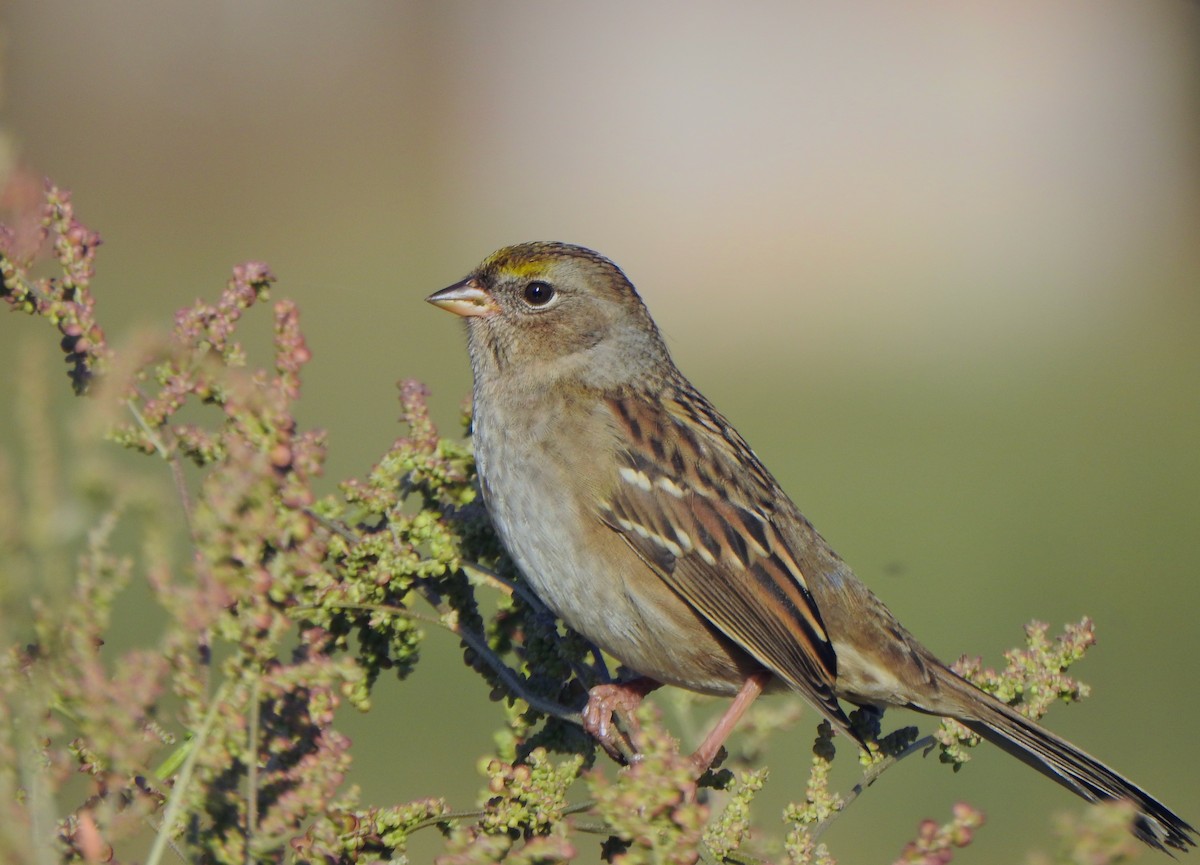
[218,740]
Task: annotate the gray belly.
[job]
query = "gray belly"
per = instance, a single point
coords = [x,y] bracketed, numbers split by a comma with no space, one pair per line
[586,574]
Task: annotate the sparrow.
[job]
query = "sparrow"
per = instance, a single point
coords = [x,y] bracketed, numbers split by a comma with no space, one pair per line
[641,517]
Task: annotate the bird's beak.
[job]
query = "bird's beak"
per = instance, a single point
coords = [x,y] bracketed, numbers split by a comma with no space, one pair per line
[467,298]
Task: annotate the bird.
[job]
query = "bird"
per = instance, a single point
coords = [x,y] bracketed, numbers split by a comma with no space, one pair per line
[643,519]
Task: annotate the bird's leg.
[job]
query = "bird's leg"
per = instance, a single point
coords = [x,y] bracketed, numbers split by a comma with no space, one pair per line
[606,701]
[707,752]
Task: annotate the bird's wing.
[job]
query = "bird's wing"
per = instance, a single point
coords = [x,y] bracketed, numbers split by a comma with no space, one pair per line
[700,510]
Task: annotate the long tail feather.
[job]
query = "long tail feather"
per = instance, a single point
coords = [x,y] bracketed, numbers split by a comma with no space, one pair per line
[1079,772]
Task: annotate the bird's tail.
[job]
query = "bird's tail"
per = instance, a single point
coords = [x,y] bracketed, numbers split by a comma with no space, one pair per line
[1059,760]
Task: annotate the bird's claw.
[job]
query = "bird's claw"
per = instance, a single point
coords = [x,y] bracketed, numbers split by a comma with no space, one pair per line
[611,702]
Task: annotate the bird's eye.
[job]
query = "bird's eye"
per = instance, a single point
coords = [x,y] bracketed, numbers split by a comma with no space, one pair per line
[538,293]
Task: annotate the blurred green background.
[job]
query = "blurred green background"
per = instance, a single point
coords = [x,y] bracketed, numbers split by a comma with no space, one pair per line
[940,264]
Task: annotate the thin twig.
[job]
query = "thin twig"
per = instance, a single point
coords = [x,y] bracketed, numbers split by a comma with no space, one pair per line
[511,678]
[335,526]
[478,643]
[171,456]
[870,776]
[598,670]
[150,432]
[504,584]
[185,498]
[175,800]
[252,771]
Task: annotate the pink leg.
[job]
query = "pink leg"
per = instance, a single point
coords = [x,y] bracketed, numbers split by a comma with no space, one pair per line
[605,701]
[707,752]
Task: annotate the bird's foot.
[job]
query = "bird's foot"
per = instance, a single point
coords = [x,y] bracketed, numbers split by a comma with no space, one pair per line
[610,703]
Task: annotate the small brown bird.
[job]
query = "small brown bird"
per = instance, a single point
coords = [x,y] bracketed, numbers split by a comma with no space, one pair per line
[642,518]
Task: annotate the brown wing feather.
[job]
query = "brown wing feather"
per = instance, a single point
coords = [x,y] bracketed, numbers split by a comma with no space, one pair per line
[720,552]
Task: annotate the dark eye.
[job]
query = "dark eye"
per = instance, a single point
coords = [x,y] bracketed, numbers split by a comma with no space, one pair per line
[538,293]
